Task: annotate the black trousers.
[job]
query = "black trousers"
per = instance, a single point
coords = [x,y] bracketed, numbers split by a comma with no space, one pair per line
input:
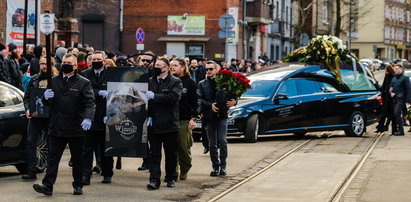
[35,126]
[169,142]
[92,140]
[398,111]
[56,149]
[204,137]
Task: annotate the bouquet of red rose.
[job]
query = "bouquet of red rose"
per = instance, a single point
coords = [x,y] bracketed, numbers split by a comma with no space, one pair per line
[232,82]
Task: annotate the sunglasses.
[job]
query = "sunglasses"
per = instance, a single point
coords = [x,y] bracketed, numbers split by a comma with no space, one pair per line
[143,60]
[209,69]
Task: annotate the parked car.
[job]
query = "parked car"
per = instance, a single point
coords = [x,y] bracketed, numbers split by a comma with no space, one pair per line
[368,63]
[18,18]
[404,63]
[303,98]
[13,131]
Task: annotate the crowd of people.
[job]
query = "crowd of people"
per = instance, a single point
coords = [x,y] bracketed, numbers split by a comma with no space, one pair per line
[180,91]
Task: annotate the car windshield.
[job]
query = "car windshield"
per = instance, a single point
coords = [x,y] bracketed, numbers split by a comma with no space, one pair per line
[260,88]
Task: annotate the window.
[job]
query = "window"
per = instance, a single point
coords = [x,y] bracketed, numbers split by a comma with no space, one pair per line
[387,12]
[277,52]
[307,87]
[387,32]
[194,49]
[9,97]
[260,88]
[289,87]
[286,17]
[325,12]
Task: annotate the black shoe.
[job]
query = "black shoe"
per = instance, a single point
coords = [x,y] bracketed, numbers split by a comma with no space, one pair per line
[223,172]
[214,173]
[97,169]
[86,181]
[143,167]
[78,191]
[171,183]
[399,133]
[205,150]
[153,185]
[43,189]
[31,175]
[106,180]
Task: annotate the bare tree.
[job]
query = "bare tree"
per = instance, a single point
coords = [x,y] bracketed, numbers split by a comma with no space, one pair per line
[303,10]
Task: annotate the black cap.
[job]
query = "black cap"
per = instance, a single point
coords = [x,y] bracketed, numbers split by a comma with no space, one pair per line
[12,47]
[2,47]
[110,55]
[233,59]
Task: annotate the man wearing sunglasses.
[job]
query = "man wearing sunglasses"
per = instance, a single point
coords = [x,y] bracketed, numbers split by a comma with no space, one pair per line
[215,121]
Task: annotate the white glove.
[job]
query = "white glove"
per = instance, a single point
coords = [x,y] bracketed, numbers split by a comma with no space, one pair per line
[48,94]
[103,93]
[105,119]
[86,124]
[150,95]
[149,121]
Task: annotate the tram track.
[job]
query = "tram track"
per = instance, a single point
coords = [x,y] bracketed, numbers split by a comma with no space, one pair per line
[337,194]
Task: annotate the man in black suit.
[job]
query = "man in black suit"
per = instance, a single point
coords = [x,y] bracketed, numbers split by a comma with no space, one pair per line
[96,136]
[71,112]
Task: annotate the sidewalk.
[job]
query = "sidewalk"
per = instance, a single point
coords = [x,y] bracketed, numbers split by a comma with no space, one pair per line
[386,176]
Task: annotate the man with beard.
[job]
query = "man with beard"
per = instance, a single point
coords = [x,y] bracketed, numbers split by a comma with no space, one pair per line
[14,67]
[96,136]
[4,67]
[189,110]
[71,111]
[147,63]
[36,124]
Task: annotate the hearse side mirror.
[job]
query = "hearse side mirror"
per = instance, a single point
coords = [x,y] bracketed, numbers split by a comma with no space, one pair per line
[281,96]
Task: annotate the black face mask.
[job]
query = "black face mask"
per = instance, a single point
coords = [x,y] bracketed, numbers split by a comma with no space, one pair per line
[97,65]
[157,71]
[66,68]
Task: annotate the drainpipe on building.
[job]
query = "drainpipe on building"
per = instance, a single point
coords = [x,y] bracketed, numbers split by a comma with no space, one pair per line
[25,27]
[120,47]
[244,24]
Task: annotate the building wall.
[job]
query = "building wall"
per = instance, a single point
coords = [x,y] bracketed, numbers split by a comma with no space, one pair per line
[152,17]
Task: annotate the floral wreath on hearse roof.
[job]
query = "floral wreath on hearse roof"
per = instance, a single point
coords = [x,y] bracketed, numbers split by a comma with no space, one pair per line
[326,49]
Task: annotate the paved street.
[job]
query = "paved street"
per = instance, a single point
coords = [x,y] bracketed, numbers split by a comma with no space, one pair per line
[312,173]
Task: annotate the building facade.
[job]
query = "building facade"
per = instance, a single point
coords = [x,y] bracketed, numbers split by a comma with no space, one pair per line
[385,32]
[281,32]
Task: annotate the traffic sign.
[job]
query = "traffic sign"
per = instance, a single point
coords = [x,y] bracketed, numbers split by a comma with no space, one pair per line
[226,34]
[140,35]
[140,46]
[47,23]
[226,21]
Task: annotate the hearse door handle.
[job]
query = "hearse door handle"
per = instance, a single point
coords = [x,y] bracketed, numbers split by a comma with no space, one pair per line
[298,102]
[323,99]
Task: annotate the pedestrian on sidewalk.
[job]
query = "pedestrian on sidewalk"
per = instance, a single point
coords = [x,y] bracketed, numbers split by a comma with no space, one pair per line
[400,91]
[189,110]
[216,122]
[163,122]
[387,112]
[71,112]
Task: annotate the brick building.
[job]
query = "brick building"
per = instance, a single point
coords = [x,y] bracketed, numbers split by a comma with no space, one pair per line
[153,17]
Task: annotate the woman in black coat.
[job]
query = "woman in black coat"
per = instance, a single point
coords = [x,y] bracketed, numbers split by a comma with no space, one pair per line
[387,112]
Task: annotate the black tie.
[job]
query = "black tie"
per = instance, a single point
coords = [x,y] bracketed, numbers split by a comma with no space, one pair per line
[160,80]
[98,74]
[66,78]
